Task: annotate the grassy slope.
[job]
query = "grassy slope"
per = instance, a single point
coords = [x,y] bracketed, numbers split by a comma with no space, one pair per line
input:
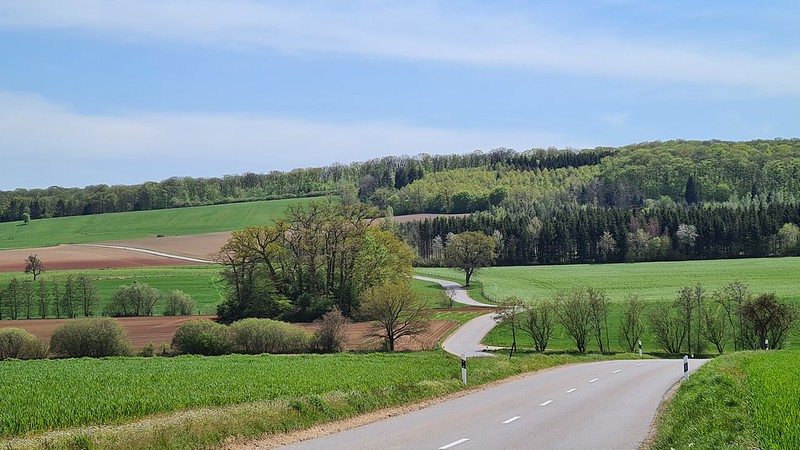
[653,282]
[140,224]
[740,401]
[273,393]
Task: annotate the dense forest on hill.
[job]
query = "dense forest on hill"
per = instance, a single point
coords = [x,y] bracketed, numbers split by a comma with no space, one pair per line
[649,201]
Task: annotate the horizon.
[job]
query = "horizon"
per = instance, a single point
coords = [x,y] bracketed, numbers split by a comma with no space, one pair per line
[120,93]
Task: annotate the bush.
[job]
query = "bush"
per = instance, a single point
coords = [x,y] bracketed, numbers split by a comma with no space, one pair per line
[330,336]
[133,300]
[255,336]
[18,343]
[95,337]
[202,337]
[179,303]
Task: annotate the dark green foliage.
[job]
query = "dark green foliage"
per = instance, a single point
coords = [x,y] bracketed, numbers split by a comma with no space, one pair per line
[255,336]
[202,337]
[94,337]
[18,343]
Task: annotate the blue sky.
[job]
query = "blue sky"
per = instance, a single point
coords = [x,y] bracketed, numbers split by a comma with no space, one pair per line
[125,91]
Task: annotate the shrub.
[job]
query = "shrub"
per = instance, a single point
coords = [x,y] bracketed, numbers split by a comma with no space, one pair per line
[255,336]
[95,337]
[202,337]
[136,299]
[330,336]
[18,343]
[179,303]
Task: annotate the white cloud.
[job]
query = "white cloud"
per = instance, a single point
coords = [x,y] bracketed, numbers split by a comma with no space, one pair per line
[52,135]
[415,30]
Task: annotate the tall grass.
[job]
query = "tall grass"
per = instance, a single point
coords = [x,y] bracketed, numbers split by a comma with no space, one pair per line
[743,401]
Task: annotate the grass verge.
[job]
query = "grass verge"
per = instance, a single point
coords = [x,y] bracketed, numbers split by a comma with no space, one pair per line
[744,400]
[201,402]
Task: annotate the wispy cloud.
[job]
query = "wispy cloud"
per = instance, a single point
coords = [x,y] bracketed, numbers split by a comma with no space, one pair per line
[462,33]
[51,134]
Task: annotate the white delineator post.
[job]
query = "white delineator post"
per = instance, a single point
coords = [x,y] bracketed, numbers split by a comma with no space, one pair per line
[464,369]
[640,347]
[686,368]
[766,344]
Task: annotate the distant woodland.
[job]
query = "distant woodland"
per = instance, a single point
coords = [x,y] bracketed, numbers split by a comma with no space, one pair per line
[649,201]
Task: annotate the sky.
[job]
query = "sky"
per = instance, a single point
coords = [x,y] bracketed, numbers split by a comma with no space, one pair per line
[128,91]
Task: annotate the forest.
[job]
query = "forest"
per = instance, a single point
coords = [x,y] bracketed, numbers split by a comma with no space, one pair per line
[649,201]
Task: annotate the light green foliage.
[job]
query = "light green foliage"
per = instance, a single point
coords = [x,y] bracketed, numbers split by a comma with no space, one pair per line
[740,401]
[202,337]
[140,224]
[95,337]
[256,336]
[179,303]
[133,300]
[468,190]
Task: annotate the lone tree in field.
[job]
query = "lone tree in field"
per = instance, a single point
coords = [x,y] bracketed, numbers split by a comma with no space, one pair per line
[394,308]
[470,251]
[34,266]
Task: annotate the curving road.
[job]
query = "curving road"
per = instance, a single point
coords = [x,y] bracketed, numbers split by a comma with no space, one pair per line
[466,340]
[604,405]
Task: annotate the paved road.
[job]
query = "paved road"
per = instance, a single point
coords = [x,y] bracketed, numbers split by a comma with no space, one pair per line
[605,405]
[466,340]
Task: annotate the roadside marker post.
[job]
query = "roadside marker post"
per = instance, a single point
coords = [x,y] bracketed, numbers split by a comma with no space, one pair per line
[640,347]
[686,368]
[766,344]
[464,369]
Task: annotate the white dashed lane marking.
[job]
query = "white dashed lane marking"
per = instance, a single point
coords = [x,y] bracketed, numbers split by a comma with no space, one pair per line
[593,380]
[453,444]
[506,422]
[571,391]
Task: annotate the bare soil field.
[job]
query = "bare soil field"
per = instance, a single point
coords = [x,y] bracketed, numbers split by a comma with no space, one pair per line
[80,257]
[159,330]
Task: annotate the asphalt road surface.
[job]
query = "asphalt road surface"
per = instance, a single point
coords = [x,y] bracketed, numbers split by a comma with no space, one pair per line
[466,340]
[604,405]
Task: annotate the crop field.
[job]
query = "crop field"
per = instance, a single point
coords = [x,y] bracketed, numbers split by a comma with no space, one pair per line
[652,282]
[141,224]
[741,401]
[202,283]
[278,392]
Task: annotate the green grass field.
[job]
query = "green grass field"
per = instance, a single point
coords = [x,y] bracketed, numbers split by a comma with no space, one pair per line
[653,282]
[742,401]
[202,284]
[141,224]
[247,395]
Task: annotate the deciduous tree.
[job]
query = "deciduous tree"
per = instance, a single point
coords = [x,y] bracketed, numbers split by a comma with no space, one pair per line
[470,251]
[394,308]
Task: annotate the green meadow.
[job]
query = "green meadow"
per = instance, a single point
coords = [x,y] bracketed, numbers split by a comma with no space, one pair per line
[141,224]
[652,282]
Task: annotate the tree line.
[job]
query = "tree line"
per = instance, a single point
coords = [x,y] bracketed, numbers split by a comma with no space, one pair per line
[693,323]
[593,234]
[371,180]
[77,296]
